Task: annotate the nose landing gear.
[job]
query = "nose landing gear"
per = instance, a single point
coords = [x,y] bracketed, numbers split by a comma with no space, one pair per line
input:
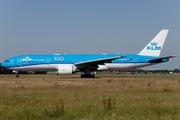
[17,76]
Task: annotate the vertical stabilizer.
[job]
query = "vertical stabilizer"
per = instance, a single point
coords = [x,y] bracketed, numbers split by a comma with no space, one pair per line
[155,46]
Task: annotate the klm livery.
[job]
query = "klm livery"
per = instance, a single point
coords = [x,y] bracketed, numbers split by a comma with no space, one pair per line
[69,64]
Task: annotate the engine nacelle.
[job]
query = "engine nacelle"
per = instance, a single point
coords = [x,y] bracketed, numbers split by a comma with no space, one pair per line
[102,67]
[66,69]
[15,71]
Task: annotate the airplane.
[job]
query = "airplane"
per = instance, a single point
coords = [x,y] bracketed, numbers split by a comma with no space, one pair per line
[72,63]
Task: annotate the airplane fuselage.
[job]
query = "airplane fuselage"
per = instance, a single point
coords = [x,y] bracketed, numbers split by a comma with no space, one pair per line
[51,62]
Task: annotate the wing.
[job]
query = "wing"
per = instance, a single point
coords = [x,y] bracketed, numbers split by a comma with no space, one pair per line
[95,63]
[166,58]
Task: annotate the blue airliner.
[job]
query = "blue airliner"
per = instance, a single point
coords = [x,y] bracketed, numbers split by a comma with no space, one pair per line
[69,64]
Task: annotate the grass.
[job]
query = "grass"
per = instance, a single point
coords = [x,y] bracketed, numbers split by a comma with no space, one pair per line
[105,97]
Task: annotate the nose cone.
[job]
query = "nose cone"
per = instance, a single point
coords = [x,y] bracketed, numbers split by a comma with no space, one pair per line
[3,64]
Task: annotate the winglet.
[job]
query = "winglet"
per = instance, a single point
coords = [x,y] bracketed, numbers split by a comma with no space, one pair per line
[155,46]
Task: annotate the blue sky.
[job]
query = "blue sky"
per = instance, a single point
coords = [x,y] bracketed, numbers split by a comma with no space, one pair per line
[88,27]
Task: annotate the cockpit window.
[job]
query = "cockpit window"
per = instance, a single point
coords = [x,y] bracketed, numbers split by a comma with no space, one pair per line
[6,60]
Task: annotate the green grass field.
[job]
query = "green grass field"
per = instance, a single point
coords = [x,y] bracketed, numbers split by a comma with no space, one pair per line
[118,97]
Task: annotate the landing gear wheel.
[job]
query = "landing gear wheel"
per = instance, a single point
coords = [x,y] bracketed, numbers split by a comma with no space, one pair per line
[87,76]
[17,76]
[82,76]
[92,76]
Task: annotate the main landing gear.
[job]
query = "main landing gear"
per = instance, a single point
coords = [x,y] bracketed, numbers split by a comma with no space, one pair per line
[87,76]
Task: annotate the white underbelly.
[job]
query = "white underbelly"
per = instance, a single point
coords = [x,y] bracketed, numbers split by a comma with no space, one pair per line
[125,66]
[44,67]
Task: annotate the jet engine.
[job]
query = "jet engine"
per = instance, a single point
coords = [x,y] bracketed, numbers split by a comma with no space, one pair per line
[66,69]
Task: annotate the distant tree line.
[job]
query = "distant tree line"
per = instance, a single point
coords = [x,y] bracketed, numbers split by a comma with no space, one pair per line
[161,71]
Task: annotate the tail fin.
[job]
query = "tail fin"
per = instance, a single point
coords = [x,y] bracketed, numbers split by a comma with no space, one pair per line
[155,46]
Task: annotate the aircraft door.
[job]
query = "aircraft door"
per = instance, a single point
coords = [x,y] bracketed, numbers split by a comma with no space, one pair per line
[135,60]
[48,61]
[19,62]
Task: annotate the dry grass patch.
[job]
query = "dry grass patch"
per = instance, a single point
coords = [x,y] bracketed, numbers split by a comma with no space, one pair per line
[70,97]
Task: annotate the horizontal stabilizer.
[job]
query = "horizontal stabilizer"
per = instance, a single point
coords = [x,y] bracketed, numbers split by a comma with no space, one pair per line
[162,58]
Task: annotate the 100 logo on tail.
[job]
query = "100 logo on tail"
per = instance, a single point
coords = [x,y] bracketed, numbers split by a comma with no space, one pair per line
[154,46]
